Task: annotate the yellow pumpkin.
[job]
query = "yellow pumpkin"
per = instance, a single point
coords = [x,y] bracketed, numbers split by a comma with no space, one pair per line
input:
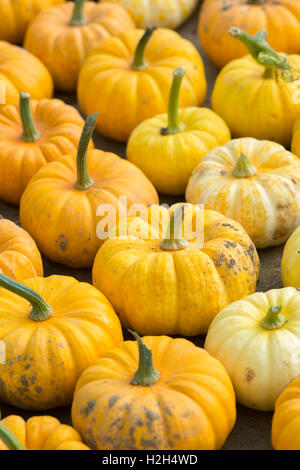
[127,79]
[38,433]
[169,146]
[258,341]
[280,18]
[61,37]
[163,13]
[286,419]
[181,399]
[52,329]
[32,134]
[22,71]
[295,145]
[256,183]
[174,279]
[16,15]
[19,257]
[258,95]
[290,266]
[67,197]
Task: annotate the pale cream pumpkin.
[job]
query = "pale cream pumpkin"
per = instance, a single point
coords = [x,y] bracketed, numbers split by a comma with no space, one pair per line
[290,266]
[256,183]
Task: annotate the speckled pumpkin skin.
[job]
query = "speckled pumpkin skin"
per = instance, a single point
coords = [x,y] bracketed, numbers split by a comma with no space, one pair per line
[251,105]
[45,359]
[60,126]
[125,97]
[286,419]
[16,15]
[22,71]
[290,265]
[192,406]
[280,18]
[163,13]
[266,204]
[64,48]
[51,200]
[164,292]
[43,433]
[19,256]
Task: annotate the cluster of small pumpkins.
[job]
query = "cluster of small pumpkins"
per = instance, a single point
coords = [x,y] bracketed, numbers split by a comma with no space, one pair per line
[63,338]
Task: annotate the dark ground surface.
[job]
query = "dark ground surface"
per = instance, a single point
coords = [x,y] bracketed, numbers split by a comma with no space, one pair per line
[253,428]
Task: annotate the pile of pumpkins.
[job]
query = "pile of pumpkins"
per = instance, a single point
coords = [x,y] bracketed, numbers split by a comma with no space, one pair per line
[140,82]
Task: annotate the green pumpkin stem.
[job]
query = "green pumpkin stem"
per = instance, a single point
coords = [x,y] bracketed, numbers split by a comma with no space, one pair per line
[273,319]
[256,2]
[146,375]
[243,167]
[139,62]
[174,240]
[84,181]
[41,311]
[173,111]
[78,18]
[10,439]
[30,132]
[261,51]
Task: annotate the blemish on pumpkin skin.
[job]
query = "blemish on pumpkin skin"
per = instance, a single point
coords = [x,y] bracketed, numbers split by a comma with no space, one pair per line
[27,366]
[38,389]
[24,381]
[89,408]
[113,400]
[250,374]
[62,242]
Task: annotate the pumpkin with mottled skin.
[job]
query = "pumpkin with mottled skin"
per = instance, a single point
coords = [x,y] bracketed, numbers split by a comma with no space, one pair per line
[53,329]
[19,256]
[73,196]
[38,433]
[127,79]
[22,71]
[162,13]
[62,39]
[280,18]
[286,419]
[256,183]
[163,394]
[16,15]
[177,286]
[290,265]
[32,135]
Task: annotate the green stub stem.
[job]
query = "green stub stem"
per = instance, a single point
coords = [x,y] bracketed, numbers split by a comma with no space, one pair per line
[83,179]
[243,167]
[30,133]
[78,18]
[9,438]
[173,111]
[139,62]
[256,2]
[174,240]
[41,311]
[260,50]
[273,319]
[146,375]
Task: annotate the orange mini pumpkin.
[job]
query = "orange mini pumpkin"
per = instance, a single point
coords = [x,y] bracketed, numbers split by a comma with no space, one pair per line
[19,257]
[127,79]
[53,328]
[38,433]
[62,205]
[32,134]
[22,71]
[61,37]
[182,399]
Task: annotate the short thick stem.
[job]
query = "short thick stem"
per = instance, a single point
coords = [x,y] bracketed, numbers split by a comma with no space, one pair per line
[243,167]
[84,181]
[30,132]
[260,50]
[273,319]
[41,311]
[174,240]
[139,62]
[146,375]
[10,439]
[78,17]
[173,111]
